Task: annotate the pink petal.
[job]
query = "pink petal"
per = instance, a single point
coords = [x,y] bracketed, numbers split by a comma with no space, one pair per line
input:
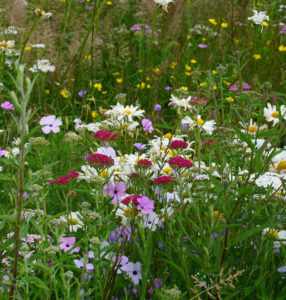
[57,122]
[46,129]
[47,120]
[55,129]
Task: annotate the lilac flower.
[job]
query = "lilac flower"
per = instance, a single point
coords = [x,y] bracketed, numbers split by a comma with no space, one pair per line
[245,86]
[184,126]
[124,232]
[117,191]
[51,124]
[25,195]
[83,264]
[161,245]
[147,125]
[122,261]
[7,105]
[157,107]
[140,146]
[215,235]
[158,283]
[81,93]
[135,27]
[283,31]
[3,152]
[168,88]
[202,46]
[145,204]
[109,151]
[134,271]
[282,269]
[67,243]
[233,87]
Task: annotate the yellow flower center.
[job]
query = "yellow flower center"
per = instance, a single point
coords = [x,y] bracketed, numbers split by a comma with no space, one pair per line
[127,111]
[128,212]
[167,170]
[281,165]
[252,129]
[275,114]
[74,221]
[168,135]
[200,121]
[274,233]
[3,44]
[104,174]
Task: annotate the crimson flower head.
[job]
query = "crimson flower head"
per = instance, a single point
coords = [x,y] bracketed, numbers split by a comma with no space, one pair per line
[100,160]
[132,198]
[104,135]
[177,144]
[163,179]
[209,142]
[72,174]
[180,162]
[144,163]
[61,180]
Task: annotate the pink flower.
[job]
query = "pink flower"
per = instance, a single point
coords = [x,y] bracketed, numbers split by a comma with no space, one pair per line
[117,191]
[146,204]
[233,87]
[7,105]
[51,124]
[104,135]
[99,160]
[133,270]
[177,144]
[147,125]
[67,243]
[180,162]
[163,179]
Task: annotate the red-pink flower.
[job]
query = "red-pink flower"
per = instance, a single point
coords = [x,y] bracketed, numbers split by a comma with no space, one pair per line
[180,162]
[72,174]
[61,180]
[177,144]
[163,179]
[209,142]
[144,163]
[100,160]
[132,198]
[104,135]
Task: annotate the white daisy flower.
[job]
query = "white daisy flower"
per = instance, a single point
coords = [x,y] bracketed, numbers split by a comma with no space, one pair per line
[120,112]
[271,113]
[207,126]
[184,102]
[74,220]
[43,65]
[258,18]
[163,3]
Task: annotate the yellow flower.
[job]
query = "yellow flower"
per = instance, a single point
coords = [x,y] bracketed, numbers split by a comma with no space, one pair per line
[47,92]
[265,24]
[236,41]
[185,88]
[148,86]
[257,56]
[28,48]
[204,39]
[156,70]
[214,72]
[282,48]
[226,82]
[147,78]
[188,37]
[104,92]
[229,99]
[193,61]
[223,25]
[64,93]
[203,84]
[115,74]
[214,87]
[109,2]
[167,170]
[188,73]
[141,86]
[188,68]
[140,70]
[281,165]
[168,135]
[94,114]
[88,57]
[119,80]
[173,65]
[213,21]
[98,86]
[63,1]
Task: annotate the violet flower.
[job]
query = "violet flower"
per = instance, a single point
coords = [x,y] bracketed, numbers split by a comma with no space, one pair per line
[7,105]
[202,46]
[134,271]
[67,243]
[117,191]
[145,204]
[81,93]
[147,125]
[51,124]
[140,146]
[157,107]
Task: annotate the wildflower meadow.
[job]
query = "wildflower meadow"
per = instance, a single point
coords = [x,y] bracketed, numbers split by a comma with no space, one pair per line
[143,149]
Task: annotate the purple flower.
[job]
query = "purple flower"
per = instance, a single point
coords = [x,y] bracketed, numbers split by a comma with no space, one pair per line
[215,235]
[147,125]
[51,124]
[81,93]
[283,31]
[161,245]
[3,152]
[7,105]
[233,87]
[282,269]
[168,88]
[140,146]
[122,261]
[145,204]
[184,126]
[203,46]
[157,107]
[245,86]
[117,191]
[67,243]
[25,195]
[108,151]
[135,27]
[158,283]
[82,264]
[134,271]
